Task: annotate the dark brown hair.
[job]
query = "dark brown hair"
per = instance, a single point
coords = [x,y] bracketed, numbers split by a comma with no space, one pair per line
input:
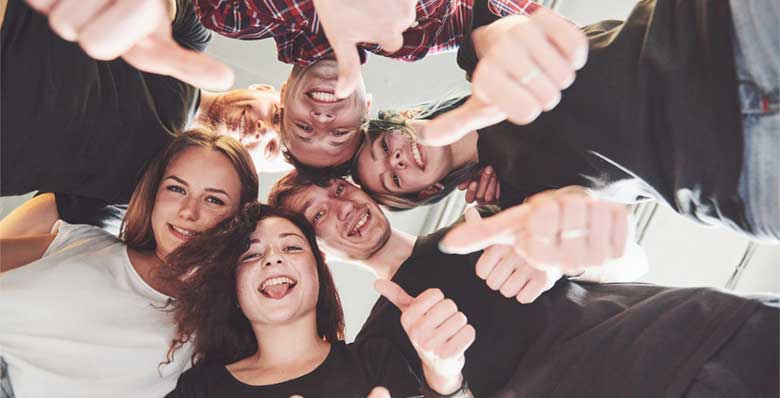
[292,183]
[136,230]
[203,275]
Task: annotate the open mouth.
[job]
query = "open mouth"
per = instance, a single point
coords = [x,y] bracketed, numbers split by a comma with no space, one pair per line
[417,155]
[277,287]
[360,223]
[181,233]
[325,97]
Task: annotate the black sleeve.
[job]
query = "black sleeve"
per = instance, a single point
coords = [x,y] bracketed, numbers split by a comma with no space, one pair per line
[385,366]
[187,29]
[191,384]
[467,54]
[75,209]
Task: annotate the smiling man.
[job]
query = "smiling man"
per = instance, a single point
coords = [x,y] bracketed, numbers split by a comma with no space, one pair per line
[556,344]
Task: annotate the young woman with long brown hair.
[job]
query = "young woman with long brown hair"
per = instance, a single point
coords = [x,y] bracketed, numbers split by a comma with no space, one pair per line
[81,309]
[257,301]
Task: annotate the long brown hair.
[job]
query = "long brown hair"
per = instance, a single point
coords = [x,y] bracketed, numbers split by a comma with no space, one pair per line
[136,230]
[203,273]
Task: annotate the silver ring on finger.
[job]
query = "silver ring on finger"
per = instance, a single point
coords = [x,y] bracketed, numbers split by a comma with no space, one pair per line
[573,233]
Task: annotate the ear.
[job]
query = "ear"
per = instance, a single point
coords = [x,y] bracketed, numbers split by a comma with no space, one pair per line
[430,190]
[262,87]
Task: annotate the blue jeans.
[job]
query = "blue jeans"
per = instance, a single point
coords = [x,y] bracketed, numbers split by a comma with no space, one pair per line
[757,54]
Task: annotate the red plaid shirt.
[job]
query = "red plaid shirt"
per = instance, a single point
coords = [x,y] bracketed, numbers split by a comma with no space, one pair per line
[300,39]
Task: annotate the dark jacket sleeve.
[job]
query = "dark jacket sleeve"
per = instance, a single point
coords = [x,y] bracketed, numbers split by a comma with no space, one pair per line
[187,29]
[467,54]
[191,384]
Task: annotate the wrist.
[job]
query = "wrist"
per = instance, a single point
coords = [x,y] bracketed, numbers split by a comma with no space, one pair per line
[461,391]
[442,383]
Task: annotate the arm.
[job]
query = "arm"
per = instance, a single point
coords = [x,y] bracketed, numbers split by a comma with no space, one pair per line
[34,217]
[17,252]
[3,6]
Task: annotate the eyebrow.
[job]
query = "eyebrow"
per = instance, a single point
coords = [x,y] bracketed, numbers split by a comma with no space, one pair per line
[286,234]
[213,190]
[371,150]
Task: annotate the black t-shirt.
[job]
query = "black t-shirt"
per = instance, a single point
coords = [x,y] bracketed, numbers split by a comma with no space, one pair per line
[577,339]
[75,125]
[658,96]
[349,371]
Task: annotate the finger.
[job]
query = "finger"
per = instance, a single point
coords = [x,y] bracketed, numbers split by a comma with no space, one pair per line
[492,190]
[516,281]
[499,229]
[119,27]
[501,272]
[445,331]
[573,233]
[541,228]
[599,233]
[620,230]
[535,75]
[42,6]
[68,17]
[421,304]
[567,37]
[536,285]
[453,125]
[348,60]
[458,344]
[489,259]
[498,189]
[392,43]
[463,185]
[484,181]
[472,215]
[393,293]
[379,392]
[425,326]
[495,84]
[165,57]
[471,193]
[544,53]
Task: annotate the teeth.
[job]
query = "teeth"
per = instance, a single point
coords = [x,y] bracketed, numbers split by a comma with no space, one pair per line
[277,281]
[417,155]
[183,231]
[360,223]
[323,96]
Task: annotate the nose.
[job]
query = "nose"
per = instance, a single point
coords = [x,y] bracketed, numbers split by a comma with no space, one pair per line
[397,160]
[345,209]
[273,257]
[322,117]
[190,209]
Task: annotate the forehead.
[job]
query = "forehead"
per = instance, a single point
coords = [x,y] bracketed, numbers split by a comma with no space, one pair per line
[298,201]
[275,227]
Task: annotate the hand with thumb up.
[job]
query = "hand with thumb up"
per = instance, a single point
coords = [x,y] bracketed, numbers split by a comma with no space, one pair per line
[437,330]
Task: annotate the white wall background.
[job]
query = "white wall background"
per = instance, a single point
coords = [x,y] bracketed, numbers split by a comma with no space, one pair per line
[680,252]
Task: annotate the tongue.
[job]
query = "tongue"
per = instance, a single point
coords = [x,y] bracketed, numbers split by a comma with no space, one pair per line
[277,291]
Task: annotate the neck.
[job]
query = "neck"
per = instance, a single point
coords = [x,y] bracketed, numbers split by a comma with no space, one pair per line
[146,264]
[464,151]
[289,345]
[207,101]
[389,258]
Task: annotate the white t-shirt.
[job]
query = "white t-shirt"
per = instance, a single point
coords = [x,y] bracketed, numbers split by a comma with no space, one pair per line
[80,322]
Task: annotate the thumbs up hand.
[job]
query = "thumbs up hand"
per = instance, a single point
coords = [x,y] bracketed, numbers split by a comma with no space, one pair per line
[438,331]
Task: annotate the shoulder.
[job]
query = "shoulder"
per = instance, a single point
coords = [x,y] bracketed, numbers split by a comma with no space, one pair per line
[194,383]
[79,237]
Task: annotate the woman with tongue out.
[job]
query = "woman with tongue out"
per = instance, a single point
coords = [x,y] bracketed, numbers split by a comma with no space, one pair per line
[257,300]
[81,309]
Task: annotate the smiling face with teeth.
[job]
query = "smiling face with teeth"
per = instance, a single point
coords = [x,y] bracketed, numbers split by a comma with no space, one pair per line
[276,279]
[200,187]
[392,162]
[347,221]
[319,129]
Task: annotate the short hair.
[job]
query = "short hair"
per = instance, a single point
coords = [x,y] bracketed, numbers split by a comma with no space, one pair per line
[405,201]
[291,184]
[337,171]
[202,272]
[136,229]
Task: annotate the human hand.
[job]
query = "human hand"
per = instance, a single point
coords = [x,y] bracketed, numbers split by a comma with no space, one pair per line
[438,331]
[139,31]
[350,22]
[379,392]
[524,64]
[564,230]
[507,272]
[483,187]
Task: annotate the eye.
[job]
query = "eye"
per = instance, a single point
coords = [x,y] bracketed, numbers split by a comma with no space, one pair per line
[339,190]
[215,200]
[176,188]
[397,181]
[250,256]
[317,217]
[384,145]
[293,249]
[304,127]
[340,133]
